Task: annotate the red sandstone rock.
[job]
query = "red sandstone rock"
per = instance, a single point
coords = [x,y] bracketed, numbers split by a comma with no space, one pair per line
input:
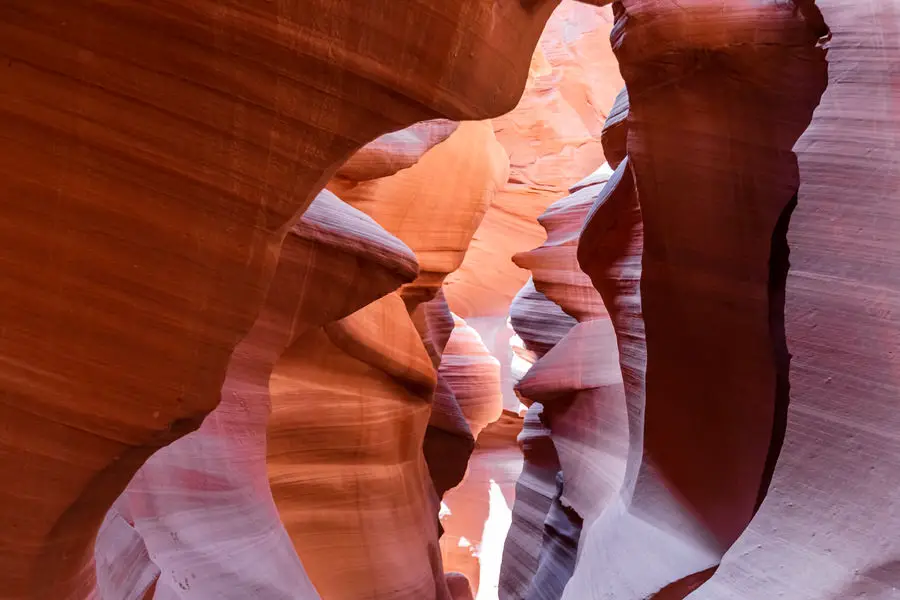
[474,376]
[829,528]
[347,424]
[459,587]
[448,442]
[436,204]
[477,512]
[202,505]
[552,138]
[710,398]
[154,157]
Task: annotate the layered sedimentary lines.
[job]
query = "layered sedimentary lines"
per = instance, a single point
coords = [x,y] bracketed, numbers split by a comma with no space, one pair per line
[552,139]
[709,154]
[144,212]
[202,506]
[841,452]
[576,447]
[218,380]
[436,204]
[346,468]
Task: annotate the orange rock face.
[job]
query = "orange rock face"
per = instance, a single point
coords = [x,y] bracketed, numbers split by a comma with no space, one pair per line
[552,138]
[219,380]
[201,508]
[379,364]
[331,445]
[436,204]
[190,137]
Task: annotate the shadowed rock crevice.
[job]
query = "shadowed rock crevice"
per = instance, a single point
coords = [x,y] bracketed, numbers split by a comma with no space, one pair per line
[779,264]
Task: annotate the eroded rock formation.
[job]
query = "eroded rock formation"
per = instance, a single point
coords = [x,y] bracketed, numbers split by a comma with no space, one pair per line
[552,138]
[202,505]
[349,422]
[158,157]
[828,528]
[574,440]
[173,145]
[713,390]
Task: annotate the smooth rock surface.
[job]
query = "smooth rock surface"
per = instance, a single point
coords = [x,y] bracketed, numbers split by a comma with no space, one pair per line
[552,138]
[708,407]
[155,155]
[829,528]
[202,505]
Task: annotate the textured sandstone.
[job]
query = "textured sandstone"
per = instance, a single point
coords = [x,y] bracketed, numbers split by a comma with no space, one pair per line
[144,213]
[448,442]
[538,322]
[706,386]
[436,204]
[552,137]
[473,374]
[347,424]
[450,176]
[579,400]
[829,528]
[202,505]
[477,512]
[169,272]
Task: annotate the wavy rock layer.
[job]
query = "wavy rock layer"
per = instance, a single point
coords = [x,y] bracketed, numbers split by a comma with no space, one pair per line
[330,446]
[829,527]
[436,204]
[579,400]
[202,505]
[476,514]
[448,440]
[551,137]
[538,322]
[474,376]
[709,402]
[143,216]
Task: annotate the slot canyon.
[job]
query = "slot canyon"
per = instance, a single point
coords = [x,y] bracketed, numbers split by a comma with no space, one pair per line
[450,299]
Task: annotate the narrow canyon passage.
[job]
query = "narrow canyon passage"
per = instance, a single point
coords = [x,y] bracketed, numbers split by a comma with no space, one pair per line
[450,300]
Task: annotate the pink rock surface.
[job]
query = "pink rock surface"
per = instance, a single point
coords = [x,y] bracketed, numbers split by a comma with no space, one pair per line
[477,513]
[202,505]
[829,527]
[538,322]
[554,265]
[473,374]
[708,395]
[448,442]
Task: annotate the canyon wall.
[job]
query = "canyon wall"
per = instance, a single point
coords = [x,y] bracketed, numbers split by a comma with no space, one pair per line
[257,265]
[155,155]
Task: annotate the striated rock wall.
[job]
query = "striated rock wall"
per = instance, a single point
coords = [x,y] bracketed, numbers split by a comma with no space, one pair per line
[575,438]
[144,214]
[552,137]
[828,528]
[347,424]
[712,404]
[202,506]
